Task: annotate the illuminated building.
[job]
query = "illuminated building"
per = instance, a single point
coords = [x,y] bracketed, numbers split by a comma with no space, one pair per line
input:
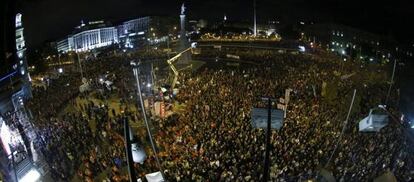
[21,47]
[99,34]
[16,131]
[131,32]
[89,37]
[65,45]
[96,38]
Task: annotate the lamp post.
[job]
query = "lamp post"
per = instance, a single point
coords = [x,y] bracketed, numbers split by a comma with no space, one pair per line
[131,171]
[268,133]
[343,128]
[392,81]
[135,66]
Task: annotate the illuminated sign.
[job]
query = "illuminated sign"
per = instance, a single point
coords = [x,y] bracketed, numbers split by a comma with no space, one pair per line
[18,20]
[96,22]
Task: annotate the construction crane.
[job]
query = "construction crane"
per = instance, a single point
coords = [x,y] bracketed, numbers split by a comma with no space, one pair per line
[175,71]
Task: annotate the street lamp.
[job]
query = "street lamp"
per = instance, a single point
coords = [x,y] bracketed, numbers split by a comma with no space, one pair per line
[135,66]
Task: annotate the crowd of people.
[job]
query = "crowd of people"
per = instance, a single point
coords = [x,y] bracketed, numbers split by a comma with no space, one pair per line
[213,139]
[67,140]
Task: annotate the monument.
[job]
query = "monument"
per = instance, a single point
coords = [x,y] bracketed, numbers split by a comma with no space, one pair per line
[186,57]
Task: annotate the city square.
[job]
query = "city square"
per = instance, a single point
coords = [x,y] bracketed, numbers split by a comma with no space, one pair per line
[170,98]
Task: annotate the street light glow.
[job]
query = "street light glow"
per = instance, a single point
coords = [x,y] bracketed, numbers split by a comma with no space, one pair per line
[32,176]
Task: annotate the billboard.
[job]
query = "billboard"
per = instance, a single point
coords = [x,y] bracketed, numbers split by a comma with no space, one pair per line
[260,116]
[373,122]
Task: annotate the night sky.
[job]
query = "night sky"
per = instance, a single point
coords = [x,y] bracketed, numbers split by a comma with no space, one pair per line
[47,20]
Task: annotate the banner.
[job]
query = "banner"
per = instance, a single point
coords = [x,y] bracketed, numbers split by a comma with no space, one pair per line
[154,177]
[281,106]
[323,91]
[162,110]
[260,118]
[287,95]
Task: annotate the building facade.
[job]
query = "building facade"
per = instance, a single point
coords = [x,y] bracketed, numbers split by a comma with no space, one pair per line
[132,32]
[351,42]
[88,40]
[92,39]
[65,45]
[16,131]
[20,46]
[97,34]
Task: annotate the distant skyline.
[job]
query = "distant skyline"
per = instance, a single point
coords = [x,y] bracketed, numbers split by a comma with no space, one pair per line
[47,20]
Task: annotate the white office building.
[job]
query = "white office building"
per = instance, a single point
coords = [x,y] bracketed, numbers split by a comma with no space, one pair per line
[98,34]
[88,39]
[95,38]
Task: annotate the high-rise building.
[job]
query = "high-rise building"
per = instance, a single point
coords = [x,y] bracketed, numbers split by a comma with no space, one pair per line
[21,46]
[16,131]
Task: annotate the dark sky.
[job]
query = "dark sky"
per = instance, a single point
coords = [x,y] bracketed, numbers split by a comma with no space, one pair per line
[52,19]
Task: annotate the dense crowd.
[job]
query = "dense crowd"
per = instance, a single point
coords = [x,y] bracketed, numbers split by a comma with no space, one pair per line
[67,141]
[213,139]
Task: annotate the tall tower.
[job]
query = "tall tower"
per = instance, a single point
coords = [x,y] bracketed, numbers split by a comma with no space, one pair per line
[254,26]
[20,45]
[21,58]
[185,58]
